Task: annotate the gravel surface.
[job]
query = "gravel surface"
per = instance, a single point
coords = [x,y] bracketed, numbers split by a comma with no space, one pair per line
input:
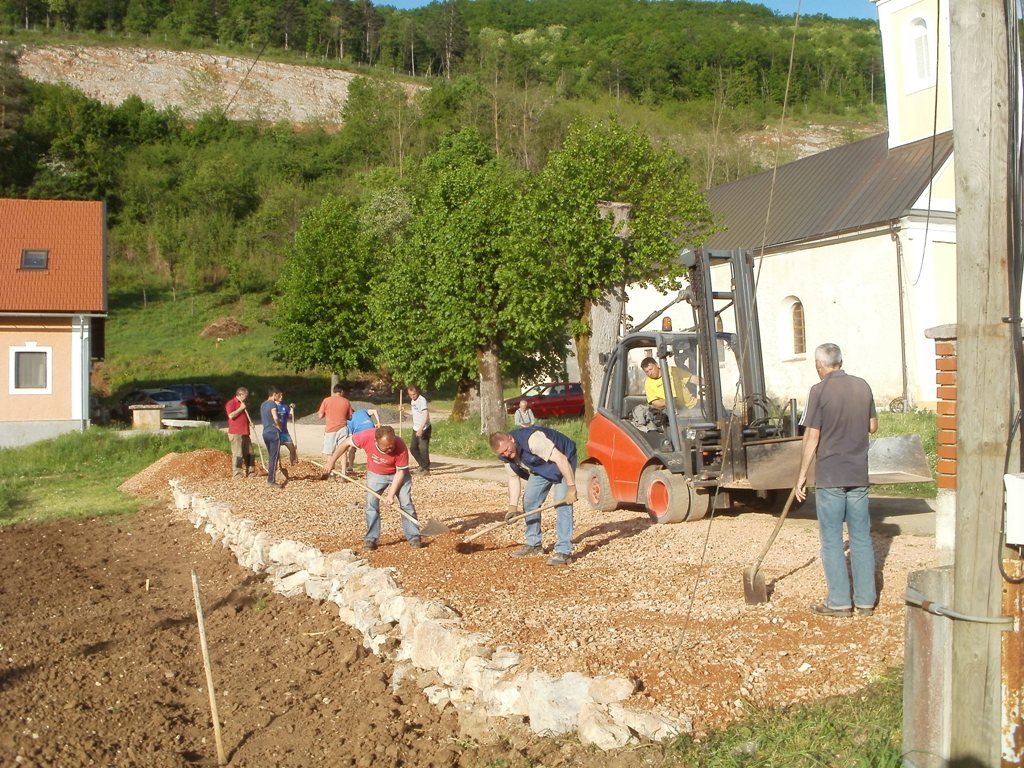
[660,604]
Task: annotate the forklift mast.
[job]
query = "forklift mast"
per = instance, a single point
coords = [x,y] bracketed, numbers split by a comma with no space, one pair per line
[743,300]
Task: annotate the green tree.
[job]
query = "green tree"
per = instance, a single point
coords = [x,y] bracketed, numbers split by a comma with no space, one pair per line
[322,313]
[577,254]
[440,302]
[379,124]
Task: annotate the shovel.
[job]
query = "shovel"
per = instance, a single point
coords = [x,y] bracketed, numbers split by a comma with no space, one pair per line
[430,528]
[754,589]
[254,439]
[514,519]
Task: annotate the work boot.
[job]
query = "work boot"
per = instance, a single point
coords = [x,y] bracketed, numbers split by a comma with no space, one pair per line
[864,611]
[416,542]
[369,545]
[529,551]
[559,558]
[837,613]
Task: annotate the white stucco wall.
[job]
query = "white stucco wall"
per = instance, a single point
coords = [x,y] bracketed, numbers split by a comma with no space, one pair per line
[850,291]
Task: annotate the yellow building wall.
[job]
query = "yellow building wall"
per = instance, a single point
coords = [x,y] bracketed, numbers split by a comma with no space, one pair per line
[916,110]
[55,334]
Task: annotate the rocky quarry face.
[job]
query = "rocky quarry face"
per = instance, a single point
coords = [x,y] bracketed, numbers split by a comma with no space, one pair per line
[245,89]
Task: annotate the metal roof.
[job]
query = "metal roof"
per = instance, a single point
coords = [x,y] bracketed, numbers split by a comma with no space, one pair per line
[852,187]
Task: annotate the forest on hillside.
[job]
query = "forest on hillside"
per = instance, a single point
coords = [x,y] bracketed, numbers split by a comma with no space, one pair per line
[648,50]
[482,200]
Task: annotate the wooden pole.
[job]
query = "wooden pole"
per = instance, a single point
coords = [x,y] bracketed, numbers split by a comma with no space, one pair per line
[221,758]
[985,382]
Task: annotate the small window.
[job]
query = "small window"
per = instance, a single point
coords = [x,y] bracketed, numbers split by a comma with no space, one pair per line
[30,370]
[919,56]
[799,336]
[35,258]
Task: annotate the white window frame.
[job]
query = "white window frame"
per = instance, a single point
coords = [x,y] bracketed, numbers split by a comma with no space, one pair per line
[919,51]
[29,346]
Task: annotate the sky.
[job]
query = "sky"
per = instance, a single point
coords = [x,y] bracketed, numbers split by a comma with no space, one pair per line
[839,9]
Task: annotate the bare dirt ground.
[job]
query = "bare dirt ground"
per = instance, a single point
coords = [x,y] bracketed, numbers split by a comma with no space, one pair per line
[101,665]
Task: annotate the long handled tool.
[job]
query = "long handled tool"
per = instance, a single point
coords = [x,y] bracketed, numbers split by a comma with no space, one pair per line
[514,519]
[754,589]
[294,432]
[254,439]
[431,527]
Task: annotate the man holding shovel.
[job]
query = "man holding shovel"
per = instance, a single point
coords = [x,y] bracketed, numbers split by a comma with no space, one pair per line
[239,427]
[546,459]
[840,414]
[387,477]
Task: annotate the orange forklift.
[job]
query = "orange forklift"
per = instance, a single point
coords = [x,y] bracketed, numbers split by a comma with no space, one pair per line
[718,441]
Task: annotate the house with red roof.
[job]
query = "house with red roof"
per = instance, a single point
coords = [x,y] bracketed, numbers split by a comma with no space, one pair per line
[53,305]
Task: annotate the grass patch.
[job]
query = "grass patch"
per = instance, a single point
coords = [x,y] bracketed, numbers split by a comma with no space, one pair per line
[463,439]
[922,423]
[863,730]
[77,475]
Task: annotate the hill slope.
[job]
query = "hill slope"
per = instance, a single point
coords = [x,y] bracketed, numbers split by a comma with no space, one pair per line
[195,82]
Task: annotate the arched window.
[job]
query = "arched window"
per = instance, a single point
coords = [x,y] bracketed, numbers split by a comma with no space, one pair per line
[920,56]
[792,329]
[799,335]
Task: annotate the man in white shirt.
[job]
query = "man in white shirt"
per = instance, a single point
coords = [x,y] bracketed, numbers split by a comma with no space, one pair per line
[421,428]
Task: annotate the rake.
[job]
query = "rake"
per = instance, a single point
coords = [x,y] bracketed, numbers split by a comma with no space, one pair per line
[431,527]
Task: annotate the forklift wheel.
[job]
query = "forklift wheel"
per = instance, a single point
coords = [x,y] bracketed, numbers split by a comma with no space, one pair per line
[598,489]
[668,497]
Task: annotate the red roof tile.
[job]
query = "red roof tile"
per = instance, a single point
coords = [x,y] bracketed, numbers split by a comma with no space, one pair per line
[75,234]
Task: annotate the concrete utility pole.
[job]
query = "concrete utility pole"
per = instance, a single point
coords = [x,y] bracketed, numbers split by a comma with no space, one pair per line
[978,37]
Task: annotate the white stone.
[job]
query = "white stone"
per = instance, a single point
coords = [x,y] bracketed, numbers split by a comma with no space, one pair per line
[606,690]
[438,695]
[317,587]
[437,644]
[400,673]
[505,659]
[259,552]
[597,727]
[289,552]
[292,585]
[648,724]
[554,705]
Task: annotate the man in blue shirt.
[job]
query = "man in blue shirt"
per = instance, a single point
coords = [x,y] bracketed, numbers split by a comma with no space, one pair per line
[546,459]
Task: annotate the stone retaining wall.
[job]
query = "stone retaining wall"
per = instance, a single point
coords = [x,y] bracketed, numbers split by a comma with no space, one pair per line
[424,638]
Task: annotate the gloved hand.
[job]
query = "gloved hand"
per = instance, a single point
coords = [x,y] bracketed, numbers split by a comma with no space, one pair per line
[511,512]
[570,496]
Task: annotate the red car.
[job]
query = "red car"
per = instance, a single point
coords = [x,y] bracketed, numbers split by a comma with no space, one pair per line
[551,400]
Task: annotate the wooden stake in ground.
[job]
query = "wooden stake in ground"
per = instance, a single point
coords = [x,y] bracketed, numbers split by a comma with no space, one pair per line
[221,758]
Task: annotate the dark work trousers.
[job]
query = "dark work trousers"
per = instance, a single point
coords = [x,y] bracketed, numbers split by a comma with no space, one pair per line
[420,448]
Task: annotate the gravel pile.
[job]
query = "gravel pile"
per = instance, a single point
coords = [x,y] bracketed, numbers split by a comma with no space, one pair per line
[660,604]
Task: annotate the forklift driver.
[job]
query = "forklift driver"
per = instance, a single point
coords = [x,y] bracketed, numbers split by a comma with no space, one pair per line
[654,386]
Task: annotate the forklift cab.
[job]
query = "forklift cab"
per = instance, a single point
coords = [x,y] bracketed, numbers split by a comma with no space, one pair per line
[693,385]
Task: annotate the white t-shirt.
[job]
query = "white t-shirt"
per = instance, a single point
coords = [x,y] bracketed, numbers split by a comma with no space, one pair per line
[419,413]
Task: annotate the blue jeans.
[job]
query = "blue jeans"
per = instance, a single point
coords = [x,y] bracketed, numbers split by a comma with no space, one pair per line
[379,484]
[850,505]
[272,439]
[537,489]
